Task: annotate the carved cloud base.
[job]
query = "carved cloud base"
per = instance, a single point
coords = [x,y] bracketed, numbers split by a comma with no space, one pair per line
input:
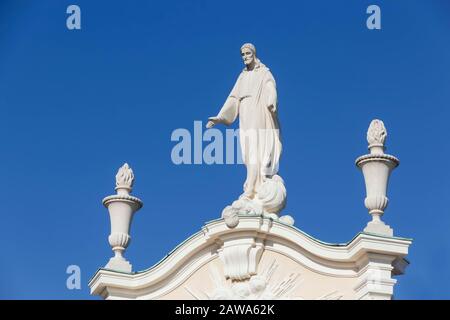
[268,202]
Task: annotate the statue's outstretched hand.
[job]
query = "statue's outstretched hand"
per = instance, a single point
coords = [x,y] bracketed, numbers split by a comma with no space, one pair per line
[272,108]
[212,122]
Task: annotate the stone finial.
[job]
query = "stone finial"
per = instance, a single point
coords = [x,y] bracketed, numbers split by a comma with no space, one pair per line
[376,136]
[121,208]
[377,167]
[124,178]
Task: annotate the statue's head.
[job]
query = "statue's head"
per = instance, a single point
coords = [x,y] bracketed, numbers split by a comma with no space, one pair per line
[248,54]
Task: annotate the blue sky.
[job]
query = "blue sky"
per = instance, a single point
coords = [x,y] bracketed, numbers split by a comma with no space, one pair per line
[75,105]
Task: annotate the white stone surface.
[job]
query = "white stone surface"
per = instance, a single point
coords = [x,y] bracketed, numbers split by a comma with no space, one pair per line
[376,136]
[219,262]
[125,178]
[254,100]
[376,168]
[287,219]
[252,253]
[269,201]
[121,208]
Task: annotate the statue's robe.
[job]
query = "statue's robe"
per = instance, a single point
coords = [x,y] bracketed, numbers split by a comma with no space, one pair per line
[259,131]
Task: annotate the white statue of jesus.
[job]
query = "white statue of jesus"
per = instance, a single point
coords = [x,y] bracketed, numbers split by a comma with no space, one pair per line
[254,99]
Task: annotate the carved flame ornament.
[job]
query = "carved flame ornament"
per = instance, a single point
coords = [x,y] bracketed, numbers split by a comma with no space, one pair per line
[125,177]
[376,134]
[121,208]
[258,287]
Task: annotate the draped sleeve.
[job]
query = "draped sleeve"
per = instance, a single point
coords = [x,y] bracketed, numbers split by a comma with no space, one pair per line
[272,146]
[270,91]
[230,109]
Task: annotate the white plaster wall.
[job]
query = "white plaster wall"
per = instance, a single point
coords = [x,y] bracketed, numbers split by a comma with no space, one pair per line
[310,284]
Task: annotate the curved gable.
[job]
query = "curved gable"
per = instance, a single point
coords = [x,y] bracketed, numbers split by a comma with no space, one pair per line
[256,259]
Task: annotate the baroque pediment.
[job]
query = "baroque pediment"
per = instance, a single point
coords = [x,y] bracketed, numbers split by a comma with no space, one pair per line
[263,259]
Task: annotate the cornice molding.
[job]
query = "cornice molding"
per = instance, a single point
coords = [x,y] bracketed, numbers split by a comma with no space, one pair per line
[336,260]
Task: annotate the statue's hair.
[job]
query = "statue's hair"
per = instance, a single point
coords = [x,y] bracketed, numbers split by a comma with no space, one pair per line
[249,46]
[252,47]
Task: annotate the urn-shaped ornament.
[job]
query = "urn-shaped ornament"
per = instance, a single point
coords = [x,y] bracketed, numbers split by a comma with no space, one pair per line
[376,168]
[121,207]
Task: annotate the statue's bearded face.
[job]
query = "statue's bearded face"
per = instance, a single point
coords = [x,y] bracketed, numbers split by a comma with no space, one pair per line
[248,56]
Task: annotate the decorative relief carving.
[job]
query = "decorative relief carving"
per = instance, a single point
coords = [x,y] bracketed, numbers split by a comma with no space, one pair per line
[240,257]
[258,287]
